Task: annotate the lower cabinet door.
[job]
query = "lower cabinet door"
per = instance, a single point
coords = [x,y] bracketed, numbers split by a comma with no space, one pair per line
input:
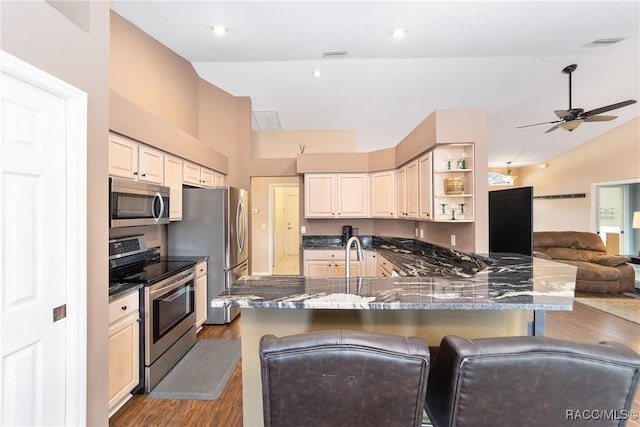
[318,268]
[124,357]
[201,300]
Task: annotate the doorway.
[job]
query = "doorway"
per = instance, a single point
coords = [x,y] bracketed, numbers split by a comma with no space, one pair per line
[285,211]
[43,224]
[615,204]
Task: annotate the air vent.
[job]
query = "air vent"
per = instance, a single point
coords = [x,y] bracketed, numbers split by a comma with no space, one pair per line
[604,42]
[335,54]
[265,120]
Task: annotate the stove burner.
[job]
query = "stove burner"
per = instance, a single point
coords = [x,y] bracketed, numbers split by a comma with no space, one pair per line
[148,273]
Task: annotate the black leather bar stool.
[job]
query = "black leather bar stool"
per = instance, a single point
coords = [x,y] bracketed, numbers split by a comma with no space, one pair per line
[343,378]
[530,381]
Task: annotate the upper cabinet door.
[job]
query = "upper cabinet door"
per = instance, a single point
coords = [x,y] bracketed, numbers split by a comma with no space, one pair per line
[218,179]
[190,173]
[426,187]
[150,165]
[401,191]
[207,178]
[352,195]
[319,196]
[173,180]
[383,194]
[123,157]
[412,190]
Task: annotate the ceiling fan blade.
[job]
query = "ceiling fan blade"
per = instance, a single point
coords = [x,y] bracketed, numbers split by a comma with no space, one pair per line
[551,129]
[565,114]
[608,108]
[538,124]
[599,118]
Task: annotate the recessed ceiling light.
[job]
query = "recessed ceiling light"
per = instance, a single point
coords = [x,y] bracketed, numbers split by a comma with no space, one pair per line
[317,73]
[399,32]
[219,29]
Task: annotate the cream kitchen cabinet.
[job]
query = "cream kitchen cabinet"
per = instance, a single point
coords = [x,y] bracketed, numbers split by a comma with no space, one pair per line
[336,195]
[453,183]
[124,348]
[425,186]
[201,294]
[129,159]
[173,180]
[330,263]
[371,263]
[408,192]
[196,175]
[384,267]
[218,179]
[383,194]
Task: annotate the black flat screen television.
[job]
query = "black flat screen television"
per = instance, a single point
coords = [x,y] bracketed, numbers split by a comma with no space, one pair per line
[511,220]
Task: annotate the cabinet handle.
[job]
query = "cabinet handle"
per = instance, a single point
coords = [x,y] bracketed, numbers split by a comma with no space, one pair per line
[124,307]
[144,174]
[135,173]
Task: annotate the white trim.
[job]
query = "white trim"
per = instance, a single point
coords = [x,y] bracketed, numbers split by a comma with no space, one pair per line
[76,227]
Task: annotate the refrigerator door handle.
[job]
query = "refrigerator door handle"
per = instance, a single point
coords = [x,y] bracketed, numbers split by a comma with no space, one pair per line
[240,225]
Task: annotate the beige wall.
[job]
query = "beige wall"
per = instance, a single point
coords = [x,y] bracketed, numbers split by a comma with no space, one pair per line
[153,76]
[613,156]
[39,34]
[270,144]
[157,98]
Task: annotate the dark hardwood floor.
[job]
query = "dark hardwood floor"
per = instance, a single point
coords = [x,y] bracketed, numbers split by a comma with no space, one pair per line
[584,324]
[225,411]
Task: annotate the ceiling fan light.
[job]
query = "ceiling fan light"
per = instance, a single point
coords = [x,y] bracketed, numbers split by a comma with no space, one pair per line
[570,125]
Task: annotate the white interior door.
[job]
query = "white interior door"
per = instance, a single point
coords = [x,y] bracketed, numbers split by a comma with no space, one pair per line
[35,271]
[293,220]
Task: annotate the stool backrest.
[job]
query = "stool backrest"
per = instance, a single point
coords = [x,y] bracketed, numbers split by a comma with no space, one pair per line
[343,378]
[529,381]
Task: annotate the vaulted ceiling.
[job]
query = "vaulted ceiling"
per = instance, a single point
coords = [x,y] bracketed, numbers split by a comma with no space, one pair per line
[504,56]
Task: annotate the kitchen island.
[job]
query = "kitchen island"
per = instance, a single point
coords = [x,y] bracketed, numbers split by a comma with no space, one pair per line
[495,301]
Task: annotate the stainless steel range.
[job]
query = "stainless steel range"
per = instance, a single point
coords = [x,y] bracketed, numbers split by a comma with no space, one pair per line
[167,301]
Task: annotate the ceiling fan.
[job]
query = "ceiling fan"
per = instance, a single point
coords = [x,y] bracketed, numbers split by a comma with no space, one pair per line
[573,117]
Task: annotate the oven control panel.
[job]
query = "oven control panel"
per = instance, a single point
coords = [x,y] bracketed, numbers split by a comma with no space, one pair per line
[125,246]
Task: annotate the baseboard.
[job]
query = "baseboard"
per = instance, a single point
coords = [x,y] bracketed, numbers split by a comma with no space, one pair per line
[260,273]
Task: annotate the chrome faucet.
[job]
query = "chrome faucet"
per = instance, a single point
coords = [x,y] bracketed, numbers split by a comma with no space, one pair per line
[347,259]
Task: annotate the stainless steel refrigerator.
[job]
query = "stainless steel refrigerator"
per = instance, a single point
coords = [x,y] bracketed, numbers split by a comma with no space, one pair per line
[214,223]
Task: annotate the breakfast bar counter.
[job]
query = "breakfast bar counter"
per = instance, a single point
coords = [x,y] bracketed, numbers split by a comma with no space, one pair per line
[496,301]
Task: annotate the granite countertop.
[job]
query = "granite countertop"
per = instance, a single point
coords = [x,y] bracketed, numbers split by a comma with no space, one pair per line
[192,258]
[410,257]
[122,290]
[446,282]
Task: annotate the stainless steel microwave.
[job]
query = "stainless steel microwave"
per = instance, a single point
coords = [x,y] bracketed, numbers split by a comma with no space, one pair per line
[134,203]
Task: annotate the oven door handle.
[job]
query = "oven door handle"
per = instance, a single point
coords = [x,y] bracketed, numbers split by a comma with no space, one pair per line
[172,285]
